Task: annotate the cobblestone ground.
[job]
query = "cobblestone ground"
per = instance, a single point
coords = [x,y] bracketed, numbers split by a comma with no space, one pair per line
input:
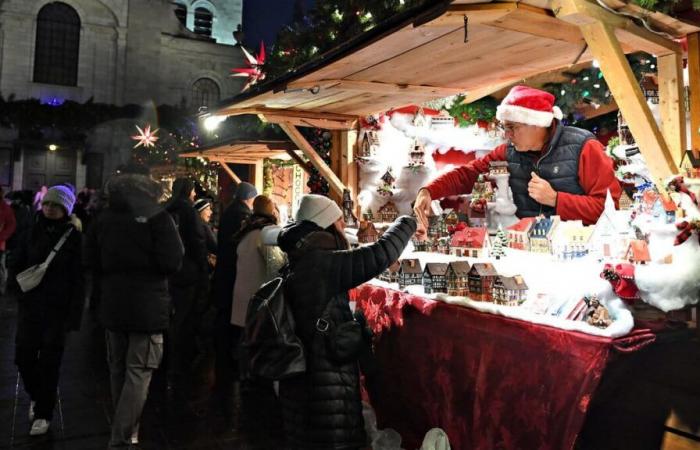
[81,420]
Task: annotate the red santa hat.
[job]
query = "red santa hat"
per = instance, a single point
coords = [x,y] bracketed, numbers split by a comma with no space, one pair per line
[528,105]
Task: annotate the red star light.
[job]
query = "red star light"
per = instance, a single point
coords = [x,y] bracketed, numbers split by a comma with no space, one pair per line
[254,71]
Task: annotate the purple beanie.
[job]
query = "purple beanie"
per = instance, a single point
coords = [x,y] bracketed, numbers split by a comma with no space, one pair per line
[60,195]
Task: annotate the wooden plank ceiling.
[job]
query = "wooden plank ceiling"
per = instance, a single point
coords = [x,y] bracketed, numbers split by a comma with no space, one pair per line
[505,43]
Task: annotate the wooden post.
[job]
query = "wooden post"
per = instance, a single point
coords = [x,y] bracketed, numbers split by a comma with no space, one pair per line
[694,91]
[628,95]
[337,163]
[672,104]
[257,175]
[348,166]
[336,185]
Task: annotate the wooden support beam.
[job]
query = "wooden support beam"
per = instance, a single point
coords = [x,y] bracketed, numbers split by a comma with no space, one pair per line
[583,12]
[257,175]
[336,164]
[348,165]
[378,87]
[672,104]
[228,170]
[694,91]
[299,161]
[304,118]
[628,95]
[315,159]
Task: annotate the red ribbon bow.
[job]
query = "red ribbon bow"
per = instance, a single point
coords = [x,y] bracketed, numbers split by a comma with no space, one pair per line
[621,277]
[686,230]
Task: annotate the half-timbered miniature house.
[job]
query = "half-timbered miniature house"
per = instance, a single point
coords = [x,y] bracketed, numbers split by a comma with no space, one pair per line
[509,291]
[410,272]
[391,274]
[435,278]
[443,245]
[370,144]
[498,167]
[437,227]
[388,212]
[458,278]
[367,233]
[472,242]
[481,278]
[422,245]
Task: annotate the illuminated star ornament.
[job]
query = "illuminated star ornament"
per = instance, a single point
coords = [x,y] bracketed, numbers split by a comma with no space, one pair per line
[146,137]
[254,71]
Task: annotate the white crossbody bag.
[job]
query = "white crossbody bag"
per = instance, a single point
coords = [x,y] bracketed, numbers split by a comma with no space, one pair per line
[30,278]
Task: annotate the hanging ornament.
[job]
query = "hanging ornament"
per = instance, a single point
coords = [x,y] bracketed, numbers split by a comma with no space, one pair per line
[254,71]
[146,137]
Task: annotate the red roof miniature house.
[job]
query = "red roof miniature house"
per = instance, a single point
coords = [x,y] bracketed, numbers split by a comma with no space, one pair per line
[469,242]
[670,208]
[518,234]
[638,252]
[481,279]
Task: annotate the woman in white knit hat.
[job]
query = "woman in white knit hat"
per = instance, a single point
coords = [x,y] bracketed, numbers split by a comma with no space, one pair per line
[53,307]
[322,408]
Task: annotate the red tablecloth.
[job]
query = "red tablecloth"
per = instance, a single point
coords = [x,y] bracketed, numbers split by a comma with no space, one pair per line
[490,382]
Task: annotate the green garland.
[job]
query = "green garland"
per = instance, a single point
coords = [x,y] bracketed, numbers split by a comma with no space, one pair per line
[468,114]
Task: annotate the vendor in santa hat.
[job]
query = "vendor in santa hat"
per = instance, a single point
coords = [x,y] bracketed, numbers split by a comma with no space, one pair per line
[554,169]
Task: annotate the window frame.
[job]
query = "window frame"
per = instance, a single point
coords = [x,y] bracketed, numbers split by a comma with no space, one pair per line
[57,45]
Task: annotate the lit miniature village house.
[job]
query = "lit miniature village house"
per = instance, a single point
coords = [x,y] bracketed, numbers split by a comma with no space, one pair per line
[518,234]
[388,212]
[481,279]
[410,272]
[509,291]
[367,233]
[435,278]
[472,242]
[458,278]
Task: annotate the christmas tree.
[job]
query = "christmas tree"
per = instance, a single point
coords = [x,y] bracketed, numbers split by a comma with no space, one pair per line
[499,244]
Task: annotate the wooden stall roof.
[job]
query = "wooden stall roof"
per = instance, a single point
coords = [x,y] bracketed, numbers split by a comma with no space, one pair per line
[433,51]
[242,152]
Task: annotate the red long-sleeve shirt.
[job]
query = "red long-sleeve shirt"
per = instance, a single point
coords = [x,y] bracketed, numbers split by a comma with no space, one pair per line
[595,175]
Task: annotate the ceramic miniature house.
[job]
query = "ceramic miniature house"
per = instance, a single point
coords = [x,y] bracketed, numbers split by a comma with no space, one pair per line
[518,234]
[541,233]
[638,252]
[425,245]
[471,242]
[442,245]
[481,279]
[458,278]
[670,209]
[498,167]
[437,227]
[435,278]
[570,240]
[625,201]
[388,212]
[410,272]
[509,291]
[391,274]
[370,144]
[417,154]
[610,237]
[367,233]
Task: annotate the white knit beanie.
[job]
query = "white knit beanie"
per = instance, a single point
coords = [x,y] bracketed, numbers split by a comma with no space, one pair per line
[60,195]
[318,209]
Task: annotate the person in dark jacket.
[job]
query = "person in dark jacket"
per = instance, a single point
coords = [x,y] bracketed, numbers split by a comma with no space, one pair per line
[185,284]
[52,308]
[203,207]
[132,248]
[322,409]
[226,336]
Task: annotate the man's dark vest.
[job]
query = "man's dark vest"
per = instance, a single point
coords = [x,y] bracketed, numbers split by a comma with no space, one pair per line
[559,166]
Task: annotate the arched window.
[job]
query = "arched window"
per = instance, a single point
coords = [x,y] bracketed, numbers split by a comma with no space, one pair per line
[181,13]
[205,92]
[203,19]
[57,45]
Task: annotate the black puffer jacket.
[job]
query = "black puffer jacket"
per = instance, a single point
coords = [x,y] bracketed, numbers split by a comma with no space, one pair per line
[225,271]
[322,408]
[61,291]
[133,246]
[191,228]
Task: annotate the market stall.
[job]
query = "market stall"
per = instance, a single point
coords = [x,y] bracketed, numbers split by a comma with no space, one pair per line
[497,330]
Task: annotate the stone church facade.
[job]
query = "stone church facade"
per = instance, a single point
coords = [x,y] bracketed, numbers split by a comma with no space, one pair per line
[120,52]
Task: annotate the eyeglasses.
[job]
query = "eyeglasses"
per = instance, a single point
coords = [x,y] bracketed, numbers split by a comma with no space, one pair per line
[509,128]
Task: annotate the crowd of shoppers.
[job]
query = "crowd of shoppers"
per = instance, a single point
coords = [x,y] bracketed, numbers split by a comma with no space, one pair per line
[159,268]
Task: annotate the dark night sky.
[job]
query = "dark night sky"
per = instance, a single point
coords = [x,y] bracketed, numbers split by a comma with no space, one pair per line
[262,19]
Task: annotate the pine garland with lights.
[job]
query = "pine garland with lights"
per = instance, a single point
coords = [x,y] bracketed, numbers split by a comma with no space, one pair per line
[467,114]
[320,140]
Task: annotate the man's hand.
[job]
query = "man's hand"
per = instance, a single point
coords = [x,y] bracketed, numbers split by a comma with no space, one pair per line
[422,209]
[541,191]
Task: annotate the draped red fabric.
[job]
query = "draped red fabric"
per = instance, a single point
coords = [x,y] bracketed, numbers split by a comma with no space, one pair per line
[490,382]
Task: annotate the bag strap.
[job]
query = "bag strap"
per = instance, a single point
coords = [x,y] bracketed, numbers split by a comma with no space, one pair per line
[58,246]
